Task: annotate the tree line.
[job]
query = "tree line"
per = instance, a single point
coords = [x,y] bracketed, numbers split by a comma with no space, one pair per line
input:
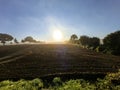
[7,38]
[111,42]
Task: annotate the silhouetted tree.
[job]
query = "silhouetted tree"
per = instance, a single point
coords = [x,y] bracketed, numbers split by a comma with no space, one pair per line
[94,42]
[5,37]
[29,39]
[15,40]
[84,40]
[74,38]
[112,42]
[89,42]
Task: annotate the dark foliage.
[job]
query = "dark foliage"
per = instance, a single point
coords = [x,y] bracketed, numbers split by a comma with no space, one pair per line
[101,48]
[89,42]
[84,40]
[112,43]
[16,41]
[94,42]
[73,38]
[29,39]
[5,37]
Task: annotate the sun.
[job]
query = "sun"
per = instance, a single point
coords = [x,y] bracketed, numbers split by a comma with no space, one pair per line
[57,35]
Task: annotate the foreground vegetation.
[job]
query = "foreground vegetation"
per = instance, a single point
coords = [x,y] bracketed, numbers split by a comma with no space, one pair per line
[108,83]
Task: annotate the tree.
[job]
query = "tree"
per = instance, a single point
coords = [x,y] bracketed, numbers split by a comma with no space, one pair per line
[73,38]
[29,39]
[89,42]
[94,42]
[5,37]
[15,40]
[84,40]
[112,42]
[22,41]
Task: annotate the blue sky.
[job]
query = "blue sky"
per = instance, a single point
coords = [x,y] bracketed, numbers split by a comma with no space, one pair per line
[38,18]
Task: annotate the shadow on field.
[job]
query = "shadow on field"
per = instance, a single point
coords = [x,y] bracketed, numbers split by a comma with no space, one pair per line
[64,77]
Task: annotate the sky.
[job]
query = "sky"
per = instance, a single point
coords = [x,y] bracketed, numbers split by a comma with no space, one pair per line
[38,18]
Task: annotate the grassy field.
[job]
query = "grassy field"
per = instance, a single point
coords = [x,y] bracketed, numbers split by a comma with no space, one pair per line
[34,61]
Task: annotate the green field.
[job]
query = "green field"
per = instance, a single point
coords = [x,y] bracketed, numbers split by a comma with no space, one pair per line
[36,61]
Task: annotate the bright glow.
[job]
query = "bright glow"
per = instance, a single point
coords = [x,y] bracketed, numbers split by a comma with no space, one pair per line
[57,35]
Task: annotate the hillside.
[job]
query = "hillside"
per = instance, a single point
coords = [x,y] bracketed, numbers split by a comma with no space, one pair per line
[32,61]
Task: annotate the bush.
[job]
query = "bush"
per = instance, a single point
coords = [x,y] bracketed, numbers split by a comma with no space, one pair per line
[100,48]
[78,84]
[57,81]
[35,84]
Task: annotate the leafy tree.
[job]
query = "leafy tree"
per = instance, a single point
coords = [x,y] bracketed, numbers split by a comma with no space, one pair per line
[16,41]
[73,38]
[84,40]
[29,39]
[89,42]
[5,37]
[112,42]
[94,42]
